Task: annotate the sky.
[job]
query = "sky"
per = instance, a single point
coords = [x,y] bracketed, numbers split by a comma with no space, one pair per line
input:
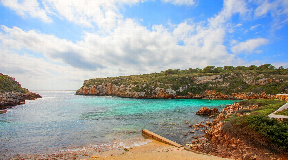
[57,44]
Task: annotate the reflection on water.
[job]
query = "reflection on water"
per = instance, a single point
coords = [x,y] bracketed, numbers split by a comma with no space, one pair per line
[62,119]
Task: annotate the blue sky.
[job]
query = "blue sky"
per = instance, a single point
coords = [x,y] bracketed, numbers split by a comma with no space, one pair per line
[57,44]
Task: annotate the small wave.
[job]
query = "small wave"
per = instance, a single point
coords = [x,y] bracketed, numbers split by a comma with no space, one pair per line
[129,144]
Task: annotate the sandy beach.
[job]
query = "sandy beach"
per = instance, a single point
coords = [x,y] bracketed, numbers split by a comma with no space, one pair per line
[153,150]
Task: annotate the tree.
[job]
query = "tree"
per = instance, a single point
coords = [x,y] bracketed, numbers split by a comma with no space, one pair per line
[193,70]
[240,68]
[252,67]
[171,71]
[266,67]
[218,69]
[209,69]
[228,68]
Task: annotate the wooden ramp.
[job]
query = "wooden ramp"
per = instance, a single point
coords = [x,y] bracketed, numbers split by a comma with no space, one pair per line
[159,138]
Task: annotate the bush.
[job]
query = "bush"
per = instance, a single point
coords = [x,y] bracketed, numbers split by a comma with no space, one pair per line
[257,128]
[8,84]
[275,131]
[284,112]
[242,111]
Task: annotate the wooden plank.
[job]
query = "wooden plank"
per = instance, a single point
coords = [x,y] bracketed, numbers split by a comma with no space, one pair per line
[159,138]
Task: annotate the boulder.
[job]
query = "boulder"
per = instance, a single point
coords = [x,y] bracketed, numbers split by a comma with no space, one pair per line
[207,111]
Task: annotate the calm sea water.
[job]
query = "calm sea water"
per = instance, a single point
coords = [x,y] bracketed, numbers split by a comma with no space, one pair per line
[61,119]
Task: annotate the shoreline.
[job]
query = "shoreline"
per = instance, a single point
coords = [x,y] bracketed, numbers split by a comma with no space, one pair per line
[151,150]
[208,94]
[225,141]
[154,150]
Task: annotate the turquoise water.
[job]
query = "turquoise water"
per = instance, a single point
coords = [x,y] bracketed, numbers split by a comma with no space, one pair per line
[61,119]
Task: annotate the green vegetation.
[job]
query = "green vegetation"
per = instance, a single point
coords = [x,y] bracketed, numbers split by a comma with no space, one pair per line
[8,84]
[258,127]
[284,112]
[228,79]
[266,106]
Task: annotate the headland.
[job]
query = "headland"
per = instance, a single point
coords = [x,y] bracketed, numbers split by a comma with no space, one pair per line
[12,94]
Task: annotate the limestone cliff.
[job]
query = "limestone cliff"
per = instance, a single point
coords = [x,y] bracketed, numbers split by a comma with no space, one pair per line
[235,84]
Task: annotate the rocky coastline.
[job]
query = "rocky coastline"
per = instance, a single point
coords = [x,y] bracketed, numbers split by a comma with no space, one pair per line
[12,94]
[227,141]
[11,99]
[109,89]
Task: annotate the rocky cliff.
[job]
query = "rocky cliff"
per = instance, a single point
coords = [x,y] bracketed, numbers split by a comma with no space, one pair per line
[237,84]
[108,89]
[12,94]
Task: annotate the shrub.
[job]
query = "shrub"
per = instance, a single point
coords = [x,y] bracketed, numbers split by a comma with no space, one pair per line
[275,131]
[283,112]
[242,111]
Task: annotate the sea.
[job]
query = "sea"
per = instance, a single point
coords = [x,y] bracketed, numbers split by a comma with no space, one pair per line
[62,120]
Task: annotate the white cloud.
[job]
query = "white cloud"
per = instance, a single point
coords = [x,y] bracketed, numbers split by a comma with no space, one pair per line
[233,42]
[181,2]
[239,25]
[38,74]
[230,8]
[255,26]
[278,10]
[27,7]
[53,48]
[87,13]
[184,30]
[129,49]
[265,7]
[125,48]
[249,46]
[103,14]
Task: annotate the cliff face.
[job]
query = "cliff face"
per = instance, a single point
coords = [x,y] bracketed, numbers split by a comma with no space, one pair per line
[12,94]
[232,85]
[109,89]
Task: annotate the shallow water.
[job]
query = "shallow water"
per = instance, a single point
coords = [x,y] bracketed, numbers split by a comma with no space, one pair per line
[62,120]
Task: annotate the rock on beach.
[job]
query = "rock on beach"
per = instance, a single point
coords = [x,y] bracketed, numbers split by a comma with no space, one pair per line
[207,111]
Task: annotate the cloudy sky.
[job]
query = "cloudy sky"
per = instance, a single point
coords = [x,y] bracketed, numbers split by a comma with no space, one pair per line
[57,44]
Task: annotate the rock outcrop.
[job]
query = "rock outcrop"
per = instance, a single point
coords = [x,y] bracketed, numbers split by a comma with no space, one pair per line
[282,97]
[204,111]
[10,99]
[12,94]
[222,143]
